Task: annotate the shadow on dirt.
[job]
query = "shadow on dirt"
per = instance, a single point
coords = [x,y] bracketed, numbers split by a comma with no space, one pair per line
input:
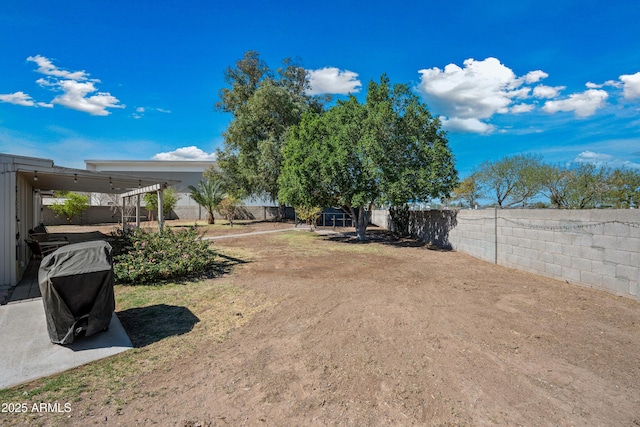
[387,238]
[225,264]
[146,325]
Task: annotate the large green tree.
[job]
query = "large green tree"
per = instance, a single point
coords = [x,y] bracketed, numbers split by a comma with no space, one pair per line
[264,105]
[389,149]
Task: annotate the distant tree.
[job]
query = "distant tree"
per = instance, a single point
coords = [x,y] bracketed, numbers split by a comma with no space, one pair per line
[623,190]
[169,201]
[389,149]
[467,192]
[512,180]
[264,104]
[308,214]
[584,186]
[228,207]
[208,194]
[74,204]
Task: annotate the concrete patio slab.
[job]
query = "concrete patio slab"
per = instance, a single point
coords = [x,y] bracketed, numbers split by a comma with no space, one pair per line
[28,353]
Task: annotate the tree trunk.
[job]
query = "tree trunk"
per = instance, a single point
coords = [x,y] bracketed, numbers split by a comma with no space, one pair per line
[360,222]
[210,218]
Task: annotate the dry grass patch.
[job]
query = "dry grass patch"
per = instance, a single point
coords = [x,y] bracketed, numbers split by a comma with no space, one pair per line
[165,322]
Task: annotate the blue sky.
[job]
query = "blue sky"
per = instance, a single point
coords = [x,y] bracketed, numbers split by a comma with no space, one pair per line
[138,79]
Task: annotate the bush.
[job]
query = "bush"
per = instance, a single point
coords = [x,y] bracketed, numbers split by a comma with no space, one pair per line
[144,257]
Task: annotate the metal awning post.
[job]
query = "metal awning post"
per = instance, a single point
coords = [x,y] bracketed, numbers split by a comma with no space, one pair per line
[160,206]
[124,206]
[138,211]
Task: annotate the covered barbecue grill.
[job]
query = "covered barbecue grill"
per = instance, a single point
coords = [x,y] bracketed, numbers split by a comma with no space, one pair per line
[76,283]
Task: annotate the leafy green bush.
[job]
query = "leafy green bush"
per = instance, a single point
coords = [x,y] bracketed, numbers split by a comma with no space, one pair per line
[74,204]
[145,257]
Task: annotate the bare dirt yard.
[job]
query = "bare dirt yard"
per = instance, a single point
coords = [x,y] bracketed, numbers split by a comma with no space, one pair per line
[386,332]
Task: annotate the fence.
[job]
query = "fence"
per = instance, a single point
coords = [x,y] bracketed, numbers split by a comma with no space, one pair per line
[598,248]
[333,219]
[104,214]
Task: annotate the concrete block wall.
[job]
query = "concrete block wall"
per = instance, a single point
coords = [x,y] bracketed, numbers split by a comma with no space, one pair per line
[598,248]
[380,217]
[103,214]
[473,232]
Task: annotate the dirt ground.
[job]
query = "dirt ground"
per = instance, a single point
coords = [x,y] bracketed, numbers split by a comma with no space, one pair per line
[394,333]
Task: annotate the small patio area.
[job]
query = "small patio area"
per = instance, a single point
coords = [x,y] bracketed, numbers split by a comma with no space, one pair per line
[23,329]
[28,288]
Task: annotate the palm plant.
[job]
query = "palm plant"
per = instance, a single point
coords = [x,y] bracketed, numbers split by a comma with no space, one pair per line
[208,194]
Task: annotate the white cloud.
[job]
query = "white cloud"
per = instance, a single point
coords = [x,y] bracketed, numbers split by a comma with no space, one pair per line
[521,108]
[602,159]
[582,104]
[475,92]
[466,125]
[185,153]
[78,91]
[543,91]
[478,90]
[76,95]
[333,81]
[535,76]
[140,111]
[612,83]
[18,98]
[46,67]
[592,157]
[631,85]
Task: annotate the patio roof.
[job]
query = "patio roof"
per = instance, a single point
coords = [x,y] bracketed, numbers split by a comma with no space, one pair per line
[51,177]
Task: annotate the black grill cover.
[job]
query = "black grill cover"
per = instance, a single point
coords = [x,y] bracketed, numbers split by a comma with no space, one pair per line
[76,283]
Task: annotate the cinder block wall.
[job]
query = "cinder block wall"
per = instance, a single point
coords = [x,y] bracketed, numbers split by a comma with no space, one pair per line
[93,215]
[598,248]
[103,214]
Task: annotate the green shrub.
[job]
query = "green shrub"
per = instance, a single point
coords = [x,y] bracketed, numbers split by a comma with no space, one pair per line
[74,204]
[145,257]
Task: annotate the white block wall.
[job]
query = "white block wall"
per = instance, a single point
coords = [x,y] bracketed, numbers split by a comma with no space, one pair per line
[598,248]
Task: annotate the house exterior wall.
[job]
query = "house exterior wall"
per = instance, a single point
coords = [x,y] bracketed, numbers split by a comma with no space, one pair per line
[8,225]
[18,214]
[188,172]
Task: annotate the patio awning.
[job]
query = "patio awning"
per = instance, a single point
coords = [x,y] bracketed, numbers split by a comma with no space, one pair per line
[80,180]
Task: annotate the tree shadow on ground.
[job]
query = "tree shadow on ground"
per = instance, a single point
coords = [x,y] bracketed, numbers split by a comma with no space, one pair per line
[385,237]
[147,325]
[225,265]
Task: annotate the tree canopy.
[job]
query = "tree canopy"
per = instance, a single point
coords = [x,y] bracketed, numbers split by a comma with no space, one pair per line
[169,201]
[264,105]
[73,204]
[521,179]
[512,180]
[389,149]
